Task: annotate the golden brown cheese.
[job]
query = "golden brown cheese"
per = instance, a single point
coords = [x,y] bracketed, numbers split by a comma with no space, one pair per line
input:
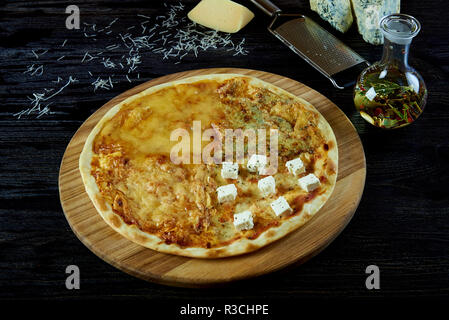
[178,203]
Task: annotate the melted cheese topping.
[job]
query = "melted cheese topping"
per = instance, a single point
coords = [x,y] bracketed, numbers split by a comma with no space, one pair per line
[178,203]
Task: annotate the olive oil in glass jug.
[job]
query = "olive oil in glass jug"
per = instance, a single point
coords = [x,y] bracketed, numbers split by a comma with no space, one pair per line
[389,93]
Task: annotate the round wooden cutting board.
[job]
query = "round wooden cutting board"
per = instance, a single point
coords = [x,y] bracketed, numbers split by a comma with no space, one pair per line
[168,269]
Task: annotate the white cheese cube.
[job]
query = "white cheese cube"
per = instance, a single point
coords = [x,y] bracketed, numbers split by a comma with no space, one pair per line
[226,193]
[230,170]
[309,183]
[280,206]
[267,186]
[371,94]
[295,166]
[256,162]
[243,220]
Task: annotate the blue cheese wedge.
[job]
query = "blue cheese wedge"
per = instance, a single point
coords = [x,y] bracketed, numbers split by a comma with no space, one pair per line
[309,183]
[257,162]
[369,13]
[280,206]
[337,12]
[226,193]
[295,166]
[267,186]
[230,170]
[243,220]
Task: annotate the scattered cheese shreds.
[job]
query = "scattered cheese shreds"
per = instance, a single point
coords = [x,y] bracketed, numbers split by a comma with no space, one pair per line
[102,83]
[37,99]
[171,36]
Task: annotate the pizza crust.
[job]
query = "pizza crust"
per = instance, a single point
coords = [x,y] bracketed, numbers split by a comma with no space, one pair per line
[237,247]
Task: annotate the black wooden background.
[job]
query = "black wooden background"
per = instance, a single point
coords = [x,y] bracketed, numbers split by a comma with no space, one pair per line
[401,225]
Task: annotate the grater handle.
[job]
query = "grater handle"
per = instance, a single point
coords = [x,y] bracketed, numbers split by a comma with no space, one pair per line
[267,6]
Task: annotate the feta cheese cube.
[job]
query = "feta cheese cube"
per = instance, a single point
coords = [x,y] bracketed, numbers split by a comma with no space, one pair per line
[230,170]
[309,183]
[280,206]
[226,193]
[267,186]
[243,220]
[371,94]
[256,162]
[295,166]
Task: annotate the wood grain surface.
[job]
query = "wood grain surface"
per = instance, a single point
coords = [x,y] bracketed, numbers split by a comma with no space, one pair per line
[401,224]
[151,265]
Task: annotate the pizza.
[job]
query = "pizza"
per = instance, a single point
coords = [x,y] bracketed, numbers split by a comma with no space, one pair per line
[199,199]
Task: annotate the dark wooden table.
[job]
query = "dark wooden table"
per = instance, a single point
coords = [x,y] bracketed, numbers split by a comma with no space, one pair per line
[401,225]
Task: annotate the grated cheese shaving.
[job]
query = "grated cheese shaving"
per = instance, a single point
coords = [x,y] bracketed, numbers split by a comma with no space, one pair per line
[170,36]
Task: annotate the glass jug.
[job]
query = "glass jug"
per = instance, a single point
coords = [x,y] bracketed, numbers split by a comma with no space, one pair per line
[389,93]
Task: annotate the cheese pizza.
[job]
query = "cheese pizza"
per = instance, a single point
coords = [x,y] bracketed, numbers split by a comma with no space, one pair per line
[221,206]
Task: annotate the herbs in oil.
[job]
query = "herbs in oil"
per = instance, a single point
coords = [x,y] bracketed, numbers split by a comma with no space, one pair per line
[390,93]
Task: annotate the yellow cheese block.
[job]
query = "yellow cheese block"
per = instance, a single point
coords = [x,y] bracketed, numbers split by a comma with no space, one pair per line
[221,15]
